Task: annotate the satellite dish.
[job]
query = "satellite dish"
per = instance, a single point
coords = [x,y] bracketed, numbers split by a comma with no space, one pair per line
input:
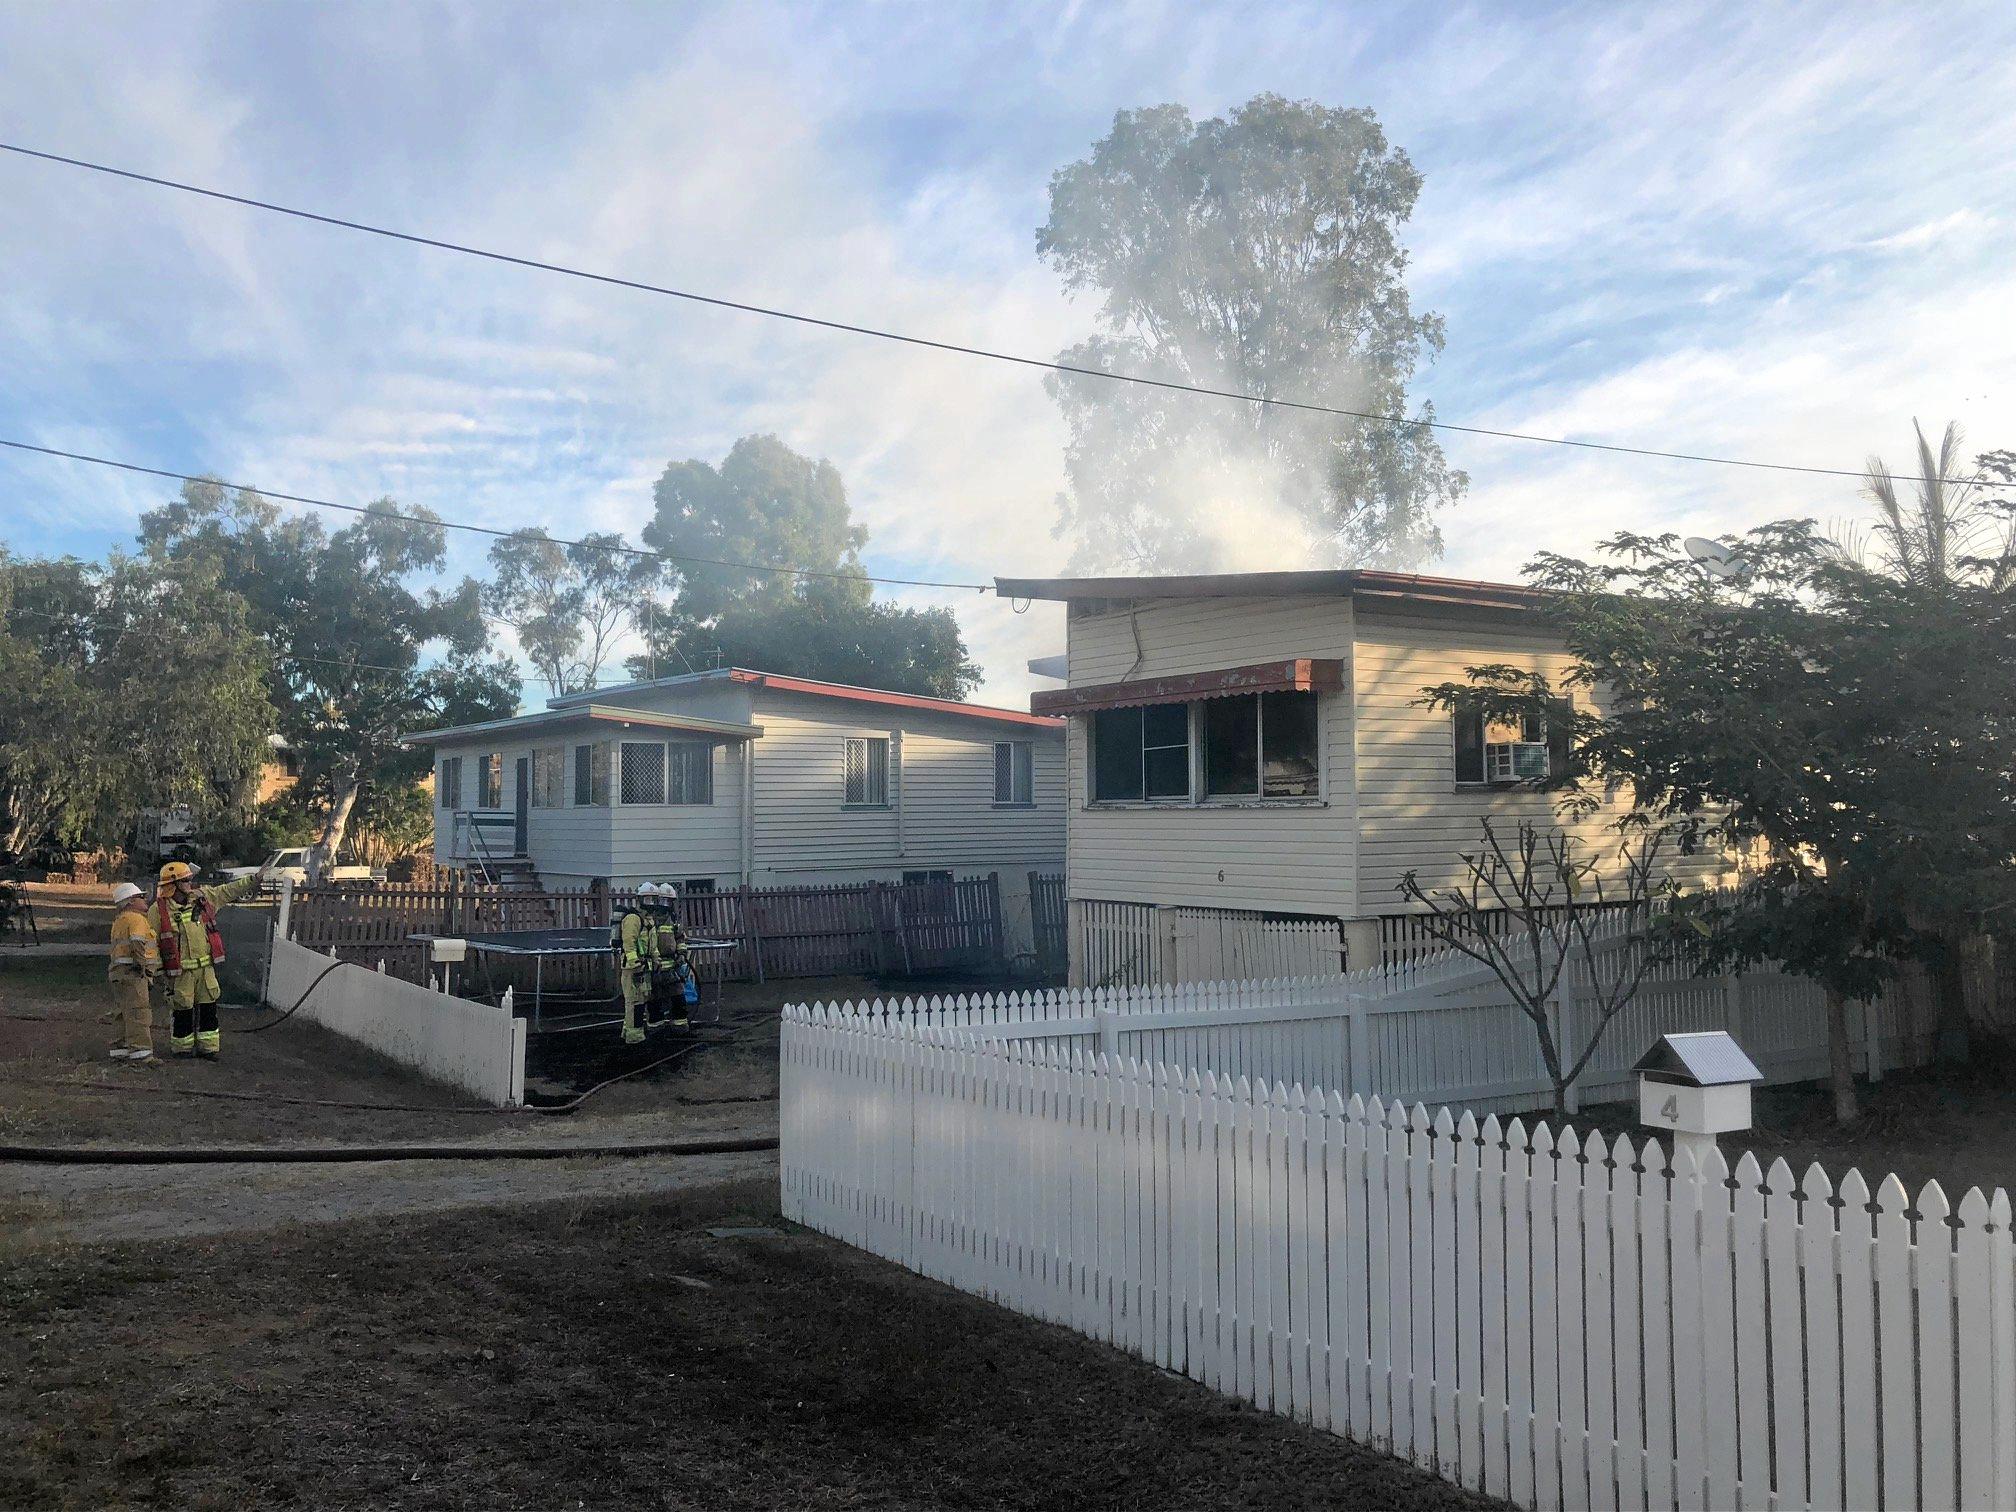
[1717,560]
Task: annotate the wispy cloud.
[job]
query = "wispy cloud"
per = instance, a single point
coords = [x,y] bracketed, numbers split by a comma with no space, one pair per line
[1762,231]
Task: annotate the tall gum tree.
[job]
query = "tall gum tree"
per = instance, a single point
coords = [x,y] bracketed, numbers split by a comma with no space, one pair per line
[1258,252]
[351,619]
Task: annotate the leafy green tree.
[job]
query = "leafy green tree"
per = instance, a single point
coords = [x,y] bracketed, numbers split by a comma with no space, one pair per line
[765,504]
[569,604]
[94,721]
[1259,253]
[768,504]
[349,616]
[1847,728]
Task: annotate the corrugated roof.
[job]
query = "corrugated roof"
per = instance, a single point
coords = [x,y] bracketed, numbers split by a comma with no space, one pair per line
[1706,1058]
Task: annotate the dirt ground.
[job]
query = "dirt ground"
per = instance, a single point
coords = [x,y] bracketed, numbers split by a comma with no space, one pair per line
[59,1087]
[67,911]
[601,1355]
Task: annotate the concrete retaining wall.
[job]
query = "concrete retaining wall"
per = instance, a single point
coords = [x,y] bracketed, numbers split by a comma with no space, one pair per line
[473,1046]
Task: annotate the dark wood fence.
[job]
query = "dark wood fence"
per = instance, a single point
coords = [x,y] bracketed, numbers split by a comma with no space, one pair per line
[1049,919]
[868,928]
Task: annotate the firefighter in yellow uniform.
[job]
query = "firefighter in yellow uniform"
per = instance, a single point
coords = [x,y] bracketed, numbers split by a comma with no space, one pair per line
[675,971]
[185,925]
[635,939]
[135,962]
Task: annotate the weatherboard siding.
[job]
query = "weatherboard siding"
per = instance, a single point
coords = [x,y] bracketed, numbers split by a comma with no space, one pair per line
[1298,858]
[940,814]
[1412,814]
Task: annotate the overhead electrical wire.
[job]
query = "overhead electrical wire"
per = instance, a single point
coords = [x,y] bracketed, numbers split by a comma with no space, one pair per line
[931,343]
[680,559]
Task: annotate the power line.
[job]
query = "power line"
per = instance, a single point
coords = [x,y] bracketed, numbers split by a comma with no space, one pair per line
[488,530]
[932,344]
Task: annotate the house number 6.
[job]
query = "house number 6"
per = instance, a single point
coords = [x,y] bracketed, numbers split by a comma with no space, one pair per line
[1221,874]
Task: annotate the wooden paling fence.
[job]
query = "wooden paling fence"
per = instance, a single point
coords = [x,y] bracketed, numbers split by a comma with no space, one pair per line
[1553,1319]
[885,928]
[1050,921]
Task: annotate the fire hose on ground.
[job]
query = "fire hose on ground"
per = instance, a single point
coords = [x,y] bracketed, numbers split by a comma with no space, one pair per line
[299,1154]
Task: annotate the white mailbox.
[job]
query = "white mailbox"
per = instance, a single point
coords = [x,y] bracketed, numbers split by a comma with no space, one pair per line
[1695,1086]
[448,951]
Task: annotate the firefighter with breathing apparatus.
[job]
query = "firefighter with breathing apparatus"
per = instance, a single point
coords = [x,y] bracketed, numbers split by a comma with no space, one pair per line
[191,949]
[676,985]
[634,938]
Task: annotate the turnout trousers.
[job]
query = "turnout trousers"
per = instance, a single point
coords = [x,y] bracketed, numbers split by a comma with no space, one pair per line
[136,1008]
[193,1021]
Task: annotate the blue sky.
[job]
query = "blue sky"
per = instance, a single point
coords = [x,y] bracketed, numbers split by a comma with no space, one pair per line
[1762,231]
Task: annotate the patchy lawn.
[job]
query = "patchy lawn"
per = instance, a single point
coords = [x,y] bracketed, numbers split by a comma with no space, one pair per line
[1956,1126]
[609,1355]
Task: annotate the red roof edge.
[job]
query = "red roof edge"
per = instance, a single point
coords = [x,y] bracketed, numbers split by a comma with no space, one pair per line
[1302,674]
[891,700]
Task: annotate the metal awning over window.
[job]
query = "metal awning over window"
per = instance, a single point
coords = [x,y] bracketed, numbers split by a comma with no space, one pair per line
[1302,674]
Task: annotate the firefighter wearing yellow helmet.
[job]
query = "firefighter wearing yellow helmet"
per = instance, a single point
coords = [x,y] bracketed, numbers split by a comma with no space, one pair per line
[191,949]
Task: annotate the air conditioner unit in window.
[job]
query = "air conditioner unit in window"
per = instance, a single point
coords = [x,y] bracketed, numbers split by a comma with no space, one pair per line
[1515,760]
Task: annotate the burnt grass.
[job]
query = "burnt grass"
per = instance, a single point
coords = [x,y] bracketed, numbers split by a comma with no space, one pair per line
[602,1355]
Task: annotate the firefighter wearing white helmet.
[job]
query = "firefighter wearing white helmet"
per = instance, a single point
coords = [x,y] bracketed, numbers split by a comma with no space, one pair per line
[634,939]
[676,983]
[135,962]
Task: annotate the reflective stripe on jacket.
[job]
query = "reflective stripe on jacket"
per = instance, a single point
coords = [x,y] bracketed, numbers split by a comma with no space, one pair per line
[636,943]
[187,932]
[133,945]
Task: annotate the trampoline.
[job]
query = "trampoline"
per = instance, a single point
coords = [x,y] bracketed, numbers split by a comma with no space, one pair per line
[542,945]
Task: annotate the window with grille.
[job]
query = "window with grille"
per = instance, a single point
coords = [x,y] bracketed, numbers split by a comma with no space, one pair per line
[546,765]
[868,772]
[1500,753]
[591,775]
[448,786]
[1014,772]
[696,887]
[643,772]
[690,773]
[493,780]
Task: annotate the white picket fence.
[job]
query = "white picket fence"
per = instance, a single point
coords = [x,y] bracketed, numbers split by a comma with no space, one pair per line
[1563,1324]
[1440,1030]
[1132,944]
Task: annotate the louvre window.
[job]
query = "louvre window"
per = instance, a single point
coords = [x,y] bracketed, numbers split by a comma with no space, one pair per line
[493,780]
[1141,753]
[681,773]
[1501,753]
[689,773]
[448,786]
[591,775]
[1014,772]
[546,765]
[867,779]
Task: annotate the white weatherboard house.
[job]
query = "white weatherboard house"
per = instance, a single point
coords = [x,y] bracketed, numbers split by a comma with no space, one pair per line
[716,779]
[1252,743]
